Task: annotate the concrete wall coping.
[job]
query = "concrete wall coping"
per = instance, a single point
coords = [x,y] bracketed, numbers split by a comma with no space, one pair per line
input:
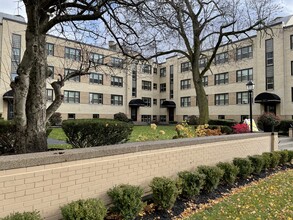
[60,156]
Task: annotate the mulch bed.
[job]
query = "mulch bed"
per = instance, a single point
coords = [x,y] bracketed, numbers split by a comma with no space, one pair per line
[152,213]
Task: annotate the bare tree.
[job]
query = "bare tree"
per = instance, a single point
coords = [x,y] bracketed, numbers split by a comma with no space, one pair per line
[188,27]
[30,84]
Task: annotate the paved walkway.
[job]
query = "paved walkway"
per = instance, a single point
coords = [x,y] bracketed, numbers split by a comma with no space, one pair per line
[51,141]
[285,143]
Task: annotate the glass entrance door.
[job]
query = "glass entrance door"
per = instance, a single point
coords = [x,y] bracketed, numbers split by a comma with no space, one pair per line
[133,113]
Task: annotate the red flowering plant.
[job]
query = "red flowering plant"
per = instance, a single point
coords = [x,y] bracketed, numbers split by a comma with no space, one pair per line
[240,128]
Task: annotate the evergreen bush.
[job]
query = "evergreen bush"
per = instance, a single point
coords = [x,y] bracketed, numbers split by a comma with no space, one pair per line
[230,172]
[213,175]
[244,165]
[126,200]
[55,119]
[257,163]
[222,122]
[83,133]
[266,160]
[191,183]
[165,192]
[120,116]
[275,159]
[24,216]
[290,156]
[192,120]
[89,209]
[283,157]
[7,136]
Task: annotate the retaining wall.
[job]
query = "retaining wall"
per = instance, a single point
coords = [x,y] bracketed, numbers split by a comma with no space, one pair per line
[46,181]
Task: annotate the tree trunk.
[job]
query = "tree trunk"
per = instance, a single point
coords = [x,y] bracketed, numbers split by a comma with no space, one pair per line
[30,88]
[202,100]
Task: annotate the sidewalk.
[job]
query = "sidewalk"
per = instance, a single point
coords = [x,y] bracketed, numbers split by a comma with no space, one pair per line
[285,143]
[51,141]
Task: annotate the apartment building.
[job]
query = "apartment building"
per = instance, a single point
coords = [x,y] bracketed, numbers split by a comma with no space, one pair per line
[162,92]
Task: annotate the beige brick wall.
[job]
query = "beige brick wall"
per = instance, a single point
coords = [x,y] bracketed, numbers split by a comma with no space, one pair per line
[47,187]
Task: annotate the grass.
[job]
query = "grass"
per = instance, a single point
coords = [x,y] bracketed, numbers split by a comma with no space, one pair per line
[139,133]
[271,198]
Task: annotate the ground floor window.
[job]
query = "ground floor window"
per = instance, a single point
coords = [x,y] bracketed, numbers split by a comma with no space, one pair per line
[71,116]
[146,118]
[163,118]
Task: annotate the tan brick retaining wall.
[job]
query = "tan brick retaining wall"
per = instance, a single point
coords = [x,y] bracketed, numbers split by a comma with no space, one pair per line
[46,181]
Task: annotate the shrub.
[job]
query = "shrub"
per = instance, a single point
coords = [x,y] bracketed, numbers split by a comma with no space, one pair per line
[230,172]
[93,209]
[213,176]
[55,119]
[226,129]
[267,120]
[204,130]
[183,130]
[257,163]
[191,183]
[24,216]
[240,128]
[83,133]
[283,157]
[121,117]
[192,120]
[290,156]
[165,192]
[284,126]
[7,136]
[244,165]
[222,122]
[275,159]
[266,160]
[126,200]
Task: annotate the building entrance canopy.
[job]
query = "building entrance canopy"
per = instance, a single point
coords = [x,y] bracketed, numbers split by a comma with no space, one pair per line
[136,103]
[8,95]
[265,98]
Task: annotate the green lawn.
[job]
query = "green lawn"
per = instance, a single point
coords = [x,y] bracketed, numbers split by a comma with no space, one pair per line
[271,198]
[139,133]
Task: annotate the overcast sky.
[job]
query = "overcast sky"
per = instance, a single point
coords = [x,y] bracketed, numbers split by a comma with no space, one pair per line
[13,7]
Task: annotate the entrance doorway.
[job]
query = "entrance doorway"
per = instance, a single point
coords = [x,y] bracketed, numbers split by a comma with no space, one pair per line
[134,113]
[171,114]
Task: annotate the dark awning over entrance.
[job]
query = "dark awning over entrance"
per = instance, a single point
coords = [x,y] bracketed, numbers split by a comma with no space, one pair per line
[136,103]
[8,95]
[169,104]
[266,97]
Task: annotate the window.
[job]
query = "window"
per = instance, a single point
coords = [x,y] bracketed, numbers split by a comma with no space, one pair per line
[222,99]
[147,101]
[146,85]
[72,54]
[96,78]
[155,86]
[51,69]
[205,81]
[71,116]
[117,62]
[242,98]
[96,98]
[163,87]
[291,42]
[15,54]
[147,68]
[154,101]
[163,118]
[221,58]
[243,117]
[134,81]
[185,84]
[71,97]
[155,70]
[161,102]
[146,118]
[185,66]
[50,49]
[171,82]
[116,81]
[269,49]
[50,95]
[202,62]
[163,72]
[154,118]
[221,116]
[269,58]
[96,116]
[244,52]
[185,101]
[97,58]
[116,100]
[244,75]
[69,71]
[222,78]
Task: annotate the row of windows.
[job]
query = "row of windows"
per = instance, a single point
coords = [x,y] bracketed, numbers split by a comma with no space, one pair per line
[147,118]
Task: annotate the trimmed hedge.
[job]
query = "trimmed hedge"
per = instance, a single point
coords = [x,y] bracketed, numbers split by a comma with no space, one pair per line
[93,209]
[7,136]
[83,133]
[165,192]
[126,200]
[244,165]
[222,122]
[284,126]
[230,172]
[191,183]
[224,129]
[120,116]
[213,176]
[257,163]
[24,216]
[283,157]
